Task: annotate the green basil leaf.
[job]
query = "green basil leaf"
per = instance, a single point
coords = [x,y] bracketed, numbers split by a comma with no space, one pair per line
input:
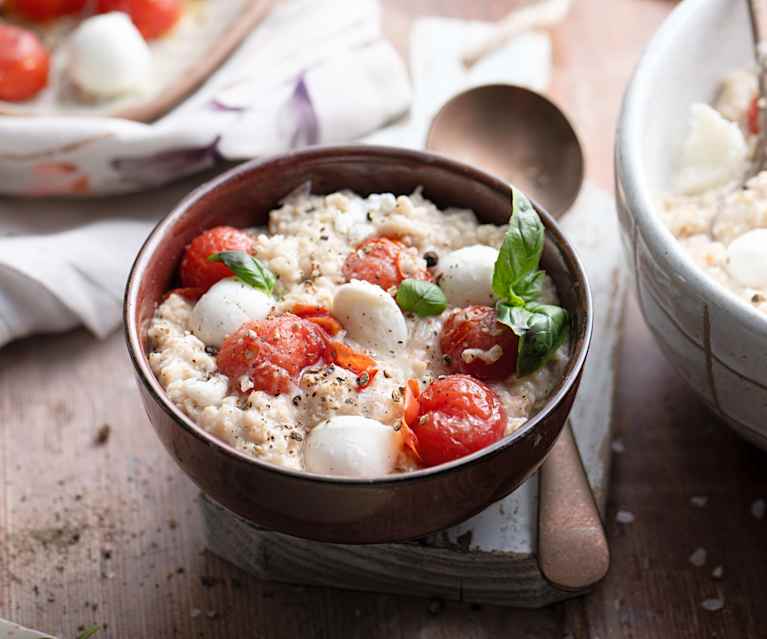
[517,318]
[547,329]
[247,269]
[530,287]
[520,252]
[420,297]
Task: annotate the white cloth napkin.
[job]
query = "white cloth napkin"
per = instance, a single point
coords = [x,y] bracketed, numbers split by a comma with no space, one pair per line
[65,262]
[315,71]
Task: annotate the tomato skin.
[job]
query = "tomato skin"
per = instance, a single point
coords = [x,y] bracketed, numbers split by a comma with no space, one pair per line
[271,352]
[477,327]
[44,10]
[24,64]
[196,270]
[457,415]
[377,260]
[153,18]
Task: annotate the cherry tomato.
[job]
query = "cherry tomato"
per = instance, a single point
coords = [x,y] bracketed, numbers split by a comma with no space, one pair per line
[153,18]
[475,327]
[457,415]
[753,116]
[320,316]
[44,10]
[24,64]
[271,352]
[196,270]
[377,260]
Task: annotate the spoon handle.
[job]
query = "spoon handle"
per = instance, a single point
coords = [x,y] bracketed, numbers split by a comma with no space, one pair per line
[757,13]
[572,546]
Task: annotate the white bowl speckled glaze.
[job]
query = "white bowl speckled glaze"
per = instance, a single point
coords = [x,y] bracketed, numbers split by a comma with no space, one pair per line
[716,342]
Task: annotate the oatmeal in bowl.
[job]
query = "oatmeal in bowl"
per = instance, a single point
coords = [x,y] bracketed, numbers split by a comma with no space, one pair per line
[353,345]
[362,336]
[720,221]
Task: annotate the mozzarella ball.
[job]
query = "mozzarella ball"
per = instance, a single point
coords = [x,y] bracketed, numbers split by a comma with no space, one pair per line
[466,275]
[351,446]
[747,259]
[108,56]
[225,307]
[713,154]
[371,317]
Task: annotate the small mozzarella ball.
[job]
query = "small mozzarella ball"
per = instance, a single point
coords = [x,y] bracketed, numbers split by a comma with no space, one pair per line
[747,259]
[351,446]
[108,56]
[714,152]
[466,275]
[225,307]
[370,316]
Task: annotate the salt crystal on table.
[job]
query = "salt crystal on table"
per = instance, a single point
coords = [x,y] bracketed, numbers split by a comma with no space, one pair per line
[699,501]
[758,508]
[196,612]
[624,517]
[617,446]
[713,604]
[718,572]
[698,557]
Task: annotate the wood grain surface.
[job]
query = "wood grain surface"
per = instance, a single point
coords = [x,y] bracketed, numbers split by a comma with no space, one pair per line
[107,532]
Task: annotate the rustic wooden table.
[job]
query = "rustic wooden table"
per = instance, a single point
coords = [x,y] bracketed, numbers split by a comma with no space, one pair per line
[97,529]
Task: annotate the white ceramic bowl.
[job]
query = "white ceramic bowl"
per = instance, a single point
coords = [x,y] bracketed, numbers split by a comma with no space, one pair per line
[716,342]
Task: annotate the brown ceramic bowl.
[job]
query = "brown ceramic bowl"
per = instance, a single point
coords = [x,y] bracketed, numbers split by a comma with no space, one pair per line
[334,509]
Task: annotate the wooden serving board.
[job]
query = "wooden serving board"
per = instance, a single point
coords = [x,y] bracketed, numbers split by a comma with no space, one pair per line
[181,61]
[491,558]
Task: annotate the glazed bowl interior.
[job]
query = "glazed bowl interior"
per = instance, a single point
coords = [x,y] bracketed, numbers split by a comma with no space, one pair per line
[243,197]
[696,47]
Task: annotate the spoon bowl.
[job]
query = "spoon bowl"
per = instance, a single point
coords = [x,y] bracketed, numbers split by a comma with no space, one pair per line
[516,134]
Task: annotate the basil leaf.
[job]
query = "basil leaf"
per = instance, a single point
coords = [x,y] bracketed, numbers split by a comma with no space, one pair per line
[420,297]
[520,252]
[517,318]
[247,269]
[530,287]
[547,329]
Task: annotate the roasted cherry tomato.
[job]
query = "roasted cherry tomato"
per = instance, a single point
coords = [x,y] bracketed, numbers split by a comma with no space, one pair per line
[44,10]
[196,270]
[457,415]
[377,260]
[320,316]
[24,64]
[753,116]
[153,18]
[475,343]
[271,352]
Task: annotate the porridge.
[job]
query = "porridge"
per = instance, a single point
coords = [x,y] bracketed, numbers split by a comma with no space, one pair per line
[361,336]
[722,226]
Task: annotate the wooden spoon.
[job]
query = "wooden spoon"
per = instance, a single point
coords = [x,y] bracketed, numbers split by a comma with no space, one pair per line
[525,139]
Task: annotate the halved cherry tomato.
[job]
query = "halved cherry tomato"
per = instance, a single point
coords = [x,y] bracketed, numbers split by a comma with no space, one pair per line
[44,10]
[271,352]
[320,316]
[377,260]
[196,270]
[153,18]
[753,116]
[457,415]
[475,327]
[24,63]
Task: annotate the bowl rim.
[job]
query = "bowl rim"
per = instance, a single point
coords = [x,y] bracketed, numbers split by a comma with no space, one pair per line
[631,178]
[155,389]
